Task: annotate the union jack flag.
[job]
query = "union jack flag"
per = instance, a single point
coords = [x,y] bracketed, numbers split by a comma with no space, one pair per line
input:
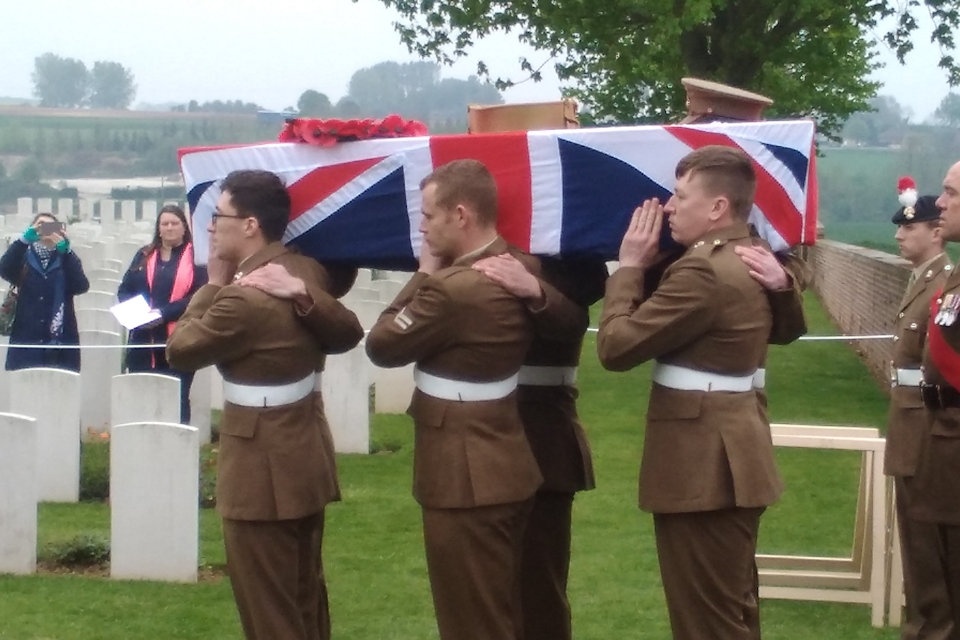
[566,192]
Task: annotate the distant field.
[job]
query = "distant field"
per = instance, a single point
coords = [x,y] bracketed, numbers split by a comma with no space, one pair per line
[875,235]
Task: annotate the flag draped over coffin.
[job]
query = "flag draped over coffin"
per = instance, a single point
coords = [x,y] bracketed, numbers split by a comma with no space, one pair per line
[567,192]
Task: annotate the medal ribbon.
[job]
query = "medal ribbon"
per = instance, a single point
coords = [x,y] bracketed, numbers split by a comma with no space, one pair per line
[945,358]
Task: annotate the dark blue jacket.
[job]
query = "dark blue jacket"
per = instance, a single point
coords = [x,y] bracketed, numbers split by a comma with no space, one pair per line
[35,306]
[135,283]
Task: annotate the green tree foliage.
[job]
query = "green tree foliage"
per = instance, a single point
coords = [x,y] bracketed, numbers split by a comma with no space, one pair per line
[219,106]
[415,90]
[111,86]
[948,113]
[59,82]
[314,104]
[884,124]
[624,58]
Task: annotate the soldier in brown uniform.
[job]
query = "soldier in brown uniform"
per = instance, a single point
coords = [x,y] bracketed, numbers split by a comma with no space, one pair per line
[474,473]
[918,235]
[936,482]
[275,472]
[547,396]
[708,470]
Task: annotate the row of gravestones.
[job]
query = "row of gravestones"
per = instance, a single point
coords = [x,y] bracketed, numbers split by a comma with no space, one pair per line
[112,212]
[153,461]
[154,471]
[106,253]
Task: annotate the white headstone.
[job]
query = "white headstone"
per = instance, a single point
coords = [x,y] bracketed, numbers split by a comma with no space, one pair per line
[44,205]
[85,209]
[367,311]
[392,389]
[346,397]
[4,375]
[97,320]
[116,265]
[97,368]
[216,389]
[18,494]
[364,278]
[52,397]
[149,211]
[128,211]
[144,397]
[94,299]
[154,513]
[200,402]
[104,284]
[98,251]
[95,273]
[65,209]
[108,214]
[388,289]
[25,206]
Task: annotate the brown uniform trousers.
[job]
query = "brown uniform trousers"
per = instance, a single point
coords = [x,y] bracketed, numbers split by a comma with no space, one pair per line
[474,472]
[549,415]
[708,469]
[932,495]
[927,600]
[275,468]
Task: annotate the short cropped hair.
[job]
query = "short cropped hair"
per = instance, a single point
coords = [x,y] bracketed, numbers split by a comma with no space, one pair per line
[467,182]
[723,171]
[261,195]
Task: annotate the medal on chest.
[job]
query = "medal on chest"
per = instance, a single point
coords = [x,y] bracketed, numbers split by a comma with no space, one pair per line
[948,311]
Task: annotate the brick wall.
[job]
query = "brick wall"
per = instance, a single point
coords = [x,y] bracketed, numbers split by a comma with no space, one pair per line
[861,290]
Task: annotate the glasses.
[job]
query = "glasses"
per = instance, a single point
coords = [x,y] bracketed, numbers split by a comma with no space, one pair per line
[214,216]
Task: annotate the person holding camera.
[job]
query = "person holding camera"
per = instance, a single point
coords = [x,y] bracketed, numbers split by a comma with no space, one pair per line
[163,273]
[47,275]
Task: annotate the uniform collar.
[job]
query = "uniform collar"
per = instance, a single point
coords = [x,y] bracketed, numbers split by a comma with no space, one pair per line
[260,258]
[493,248]
[918,272]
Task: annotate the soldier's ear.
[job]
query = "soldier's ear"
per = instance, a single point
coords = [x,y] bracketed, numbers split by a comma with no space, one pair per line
[720,207]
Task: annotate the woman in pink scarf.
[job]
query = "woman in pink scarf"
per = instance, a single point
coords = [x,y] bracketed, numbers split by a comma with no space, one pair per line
[164,274]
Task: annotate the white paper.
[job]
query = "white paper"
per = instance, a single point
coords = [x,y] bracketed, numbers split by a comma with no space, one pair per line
[134,312]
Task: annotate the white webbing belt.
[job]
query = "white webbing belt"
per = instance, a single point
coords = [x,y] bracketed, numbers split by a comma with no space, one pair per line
[760,378]
[540,376]
[252,395]
[447,389]
[906,377]
[685,379]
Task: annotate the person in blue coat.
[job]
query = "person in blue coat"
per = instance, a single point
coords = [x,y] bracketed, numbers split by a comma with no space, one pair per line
[48,275]
[163,272]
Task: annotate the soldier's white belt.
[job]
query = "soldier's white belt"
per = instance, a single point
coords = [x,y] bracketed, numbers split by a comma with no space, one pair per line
[906,377]
[686,379]
[540,376]
[448,389]
[252,395]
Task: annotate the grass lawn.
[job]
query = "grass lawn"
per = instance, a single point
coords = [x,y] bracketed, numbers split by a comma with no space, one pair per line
[373,548]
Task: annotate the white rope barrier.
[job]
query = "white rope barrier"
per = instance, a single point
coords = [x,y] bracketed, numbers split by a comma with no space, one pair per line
[820,338]
[590,330]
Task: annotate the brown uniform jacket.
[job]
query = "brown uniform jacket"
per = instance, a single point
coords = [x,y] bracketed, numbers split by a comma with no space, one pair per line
[703,450]
[459,324]
[275,462]
[936,483]
[549,413]
[907,421]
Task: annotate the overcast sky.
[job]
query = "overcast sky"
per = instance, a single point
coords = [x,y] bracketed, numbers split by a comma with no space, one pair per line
[270,52]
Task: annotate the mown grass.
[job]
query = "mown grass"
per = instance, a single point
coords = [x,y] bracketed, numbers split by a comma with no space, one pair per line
[373,547]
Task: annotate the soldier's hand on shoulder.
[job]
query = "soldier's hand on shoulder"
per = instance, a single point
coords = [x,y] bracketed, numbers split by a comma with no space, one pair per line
[764,267]
[275,280]
[510,274]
